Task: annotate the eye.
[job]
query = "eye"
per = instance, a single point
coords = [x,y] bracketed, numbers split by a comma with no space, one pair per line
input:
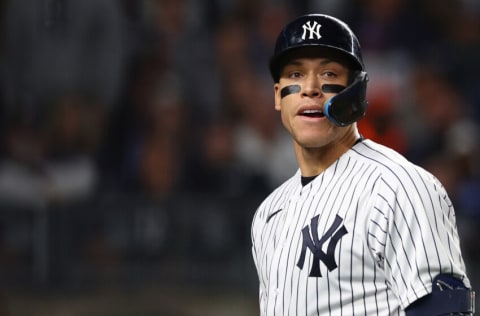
[295,75]
[329,74]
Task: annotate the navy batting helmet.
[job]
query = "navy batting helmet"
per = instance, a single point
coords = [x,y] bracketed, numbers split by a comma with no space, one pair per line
[316,30]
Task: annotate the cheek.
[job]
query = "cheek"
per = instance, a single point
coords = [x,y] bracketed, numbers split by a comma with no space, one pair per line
[286,119]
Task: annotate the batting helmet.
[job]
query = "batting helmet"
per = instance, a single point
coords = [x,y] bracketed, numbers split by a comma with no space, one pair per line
[315,30]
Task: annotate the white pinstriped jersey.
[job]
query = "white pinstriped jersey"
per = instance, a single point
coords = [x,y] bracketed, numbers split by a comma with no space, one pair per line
[365,237]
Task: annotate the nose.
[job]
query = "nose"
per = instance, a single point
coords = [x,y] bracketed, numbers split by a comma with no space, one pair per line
[311,87]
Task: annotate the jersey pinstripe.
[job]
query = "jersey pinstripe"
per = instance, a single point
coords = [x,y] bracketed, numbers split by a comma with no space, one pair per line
[365,237]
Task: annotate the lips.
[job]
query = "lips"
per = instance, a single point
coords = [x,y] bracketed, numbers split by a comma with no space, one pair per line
[311,112]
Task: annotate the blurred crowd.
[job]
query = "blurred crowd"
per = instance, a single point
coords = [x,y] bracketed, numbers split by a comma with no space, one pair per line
[170,101]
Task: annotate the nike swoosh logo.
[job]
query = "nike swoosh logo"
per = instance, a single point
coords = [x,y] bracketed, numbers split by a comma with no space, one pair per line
[273,214]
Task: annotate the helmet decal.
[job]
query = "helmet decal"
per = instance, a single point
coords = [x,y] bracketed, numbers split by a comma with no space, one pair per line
[312,29]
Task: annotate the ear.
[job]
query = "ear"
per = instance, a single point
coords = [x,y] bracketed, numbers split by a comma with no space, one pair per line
[276,89]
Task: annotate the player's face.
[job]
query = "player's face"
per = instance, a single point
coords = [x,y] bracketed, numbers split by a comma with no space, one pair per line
[300,99]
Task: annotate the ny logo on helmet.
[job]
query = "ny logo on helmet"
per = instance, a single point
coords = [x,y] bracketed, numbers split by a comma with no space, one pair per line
[313,29]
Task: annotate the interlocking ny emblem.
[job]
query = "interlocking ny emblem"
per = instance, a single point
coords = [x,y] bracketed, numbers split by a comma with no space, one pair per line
[315,245]
[312,29]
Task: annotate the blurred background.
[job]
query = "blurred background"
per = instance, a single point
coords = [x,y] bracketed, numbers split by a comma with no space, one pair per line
[137,138]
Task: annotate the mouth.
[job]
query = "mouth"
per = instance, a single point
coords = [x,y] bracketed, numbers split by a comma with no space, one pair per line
[312,113]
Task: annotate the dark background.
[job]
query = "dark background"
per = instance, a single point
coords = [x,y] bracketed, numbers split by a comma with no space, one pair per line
[137,138]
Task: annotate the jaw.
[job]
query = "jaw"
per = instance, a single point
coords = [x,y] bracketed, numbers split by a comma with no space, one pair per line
[313,133]
[318,124]
[323,135]
[316,153]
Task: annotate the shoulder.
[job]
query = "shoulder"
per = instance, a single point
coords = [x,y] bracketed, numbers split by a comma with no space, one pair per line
[278,197]
[381,156]
[403,185]
[392,167]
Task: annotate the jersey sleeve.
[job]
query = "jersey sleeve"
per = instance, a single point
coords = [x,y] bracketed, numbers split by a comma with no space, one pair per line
[412,233]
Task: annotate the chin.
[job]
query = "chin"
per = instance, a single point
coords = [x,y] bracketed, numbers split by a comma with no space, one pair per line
[313,142]
[314,138]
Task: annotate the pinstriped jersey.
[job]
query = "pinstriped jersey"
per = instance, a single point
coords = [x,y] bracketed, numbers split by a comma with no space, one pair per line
[365,237]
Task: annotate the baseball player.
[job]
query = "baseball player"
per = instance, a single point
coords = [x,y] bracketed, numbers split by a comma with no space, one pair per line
[358,229]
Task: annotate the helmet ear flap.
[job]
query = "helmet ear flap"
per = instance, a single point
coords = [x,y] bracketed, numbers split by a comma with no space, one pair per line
[350,104]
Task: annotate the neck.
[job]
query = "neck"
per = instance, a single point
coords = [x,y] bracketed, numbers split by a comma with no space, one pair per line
[313,161]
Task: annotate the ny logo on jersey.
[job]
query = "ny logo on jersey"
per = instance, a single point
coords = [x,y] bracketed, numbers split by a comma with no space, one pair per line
[312,29]
[314,244]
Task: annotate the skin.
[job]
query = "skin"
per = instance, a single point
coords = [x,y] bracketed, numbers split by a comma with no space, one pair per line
[317,142]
